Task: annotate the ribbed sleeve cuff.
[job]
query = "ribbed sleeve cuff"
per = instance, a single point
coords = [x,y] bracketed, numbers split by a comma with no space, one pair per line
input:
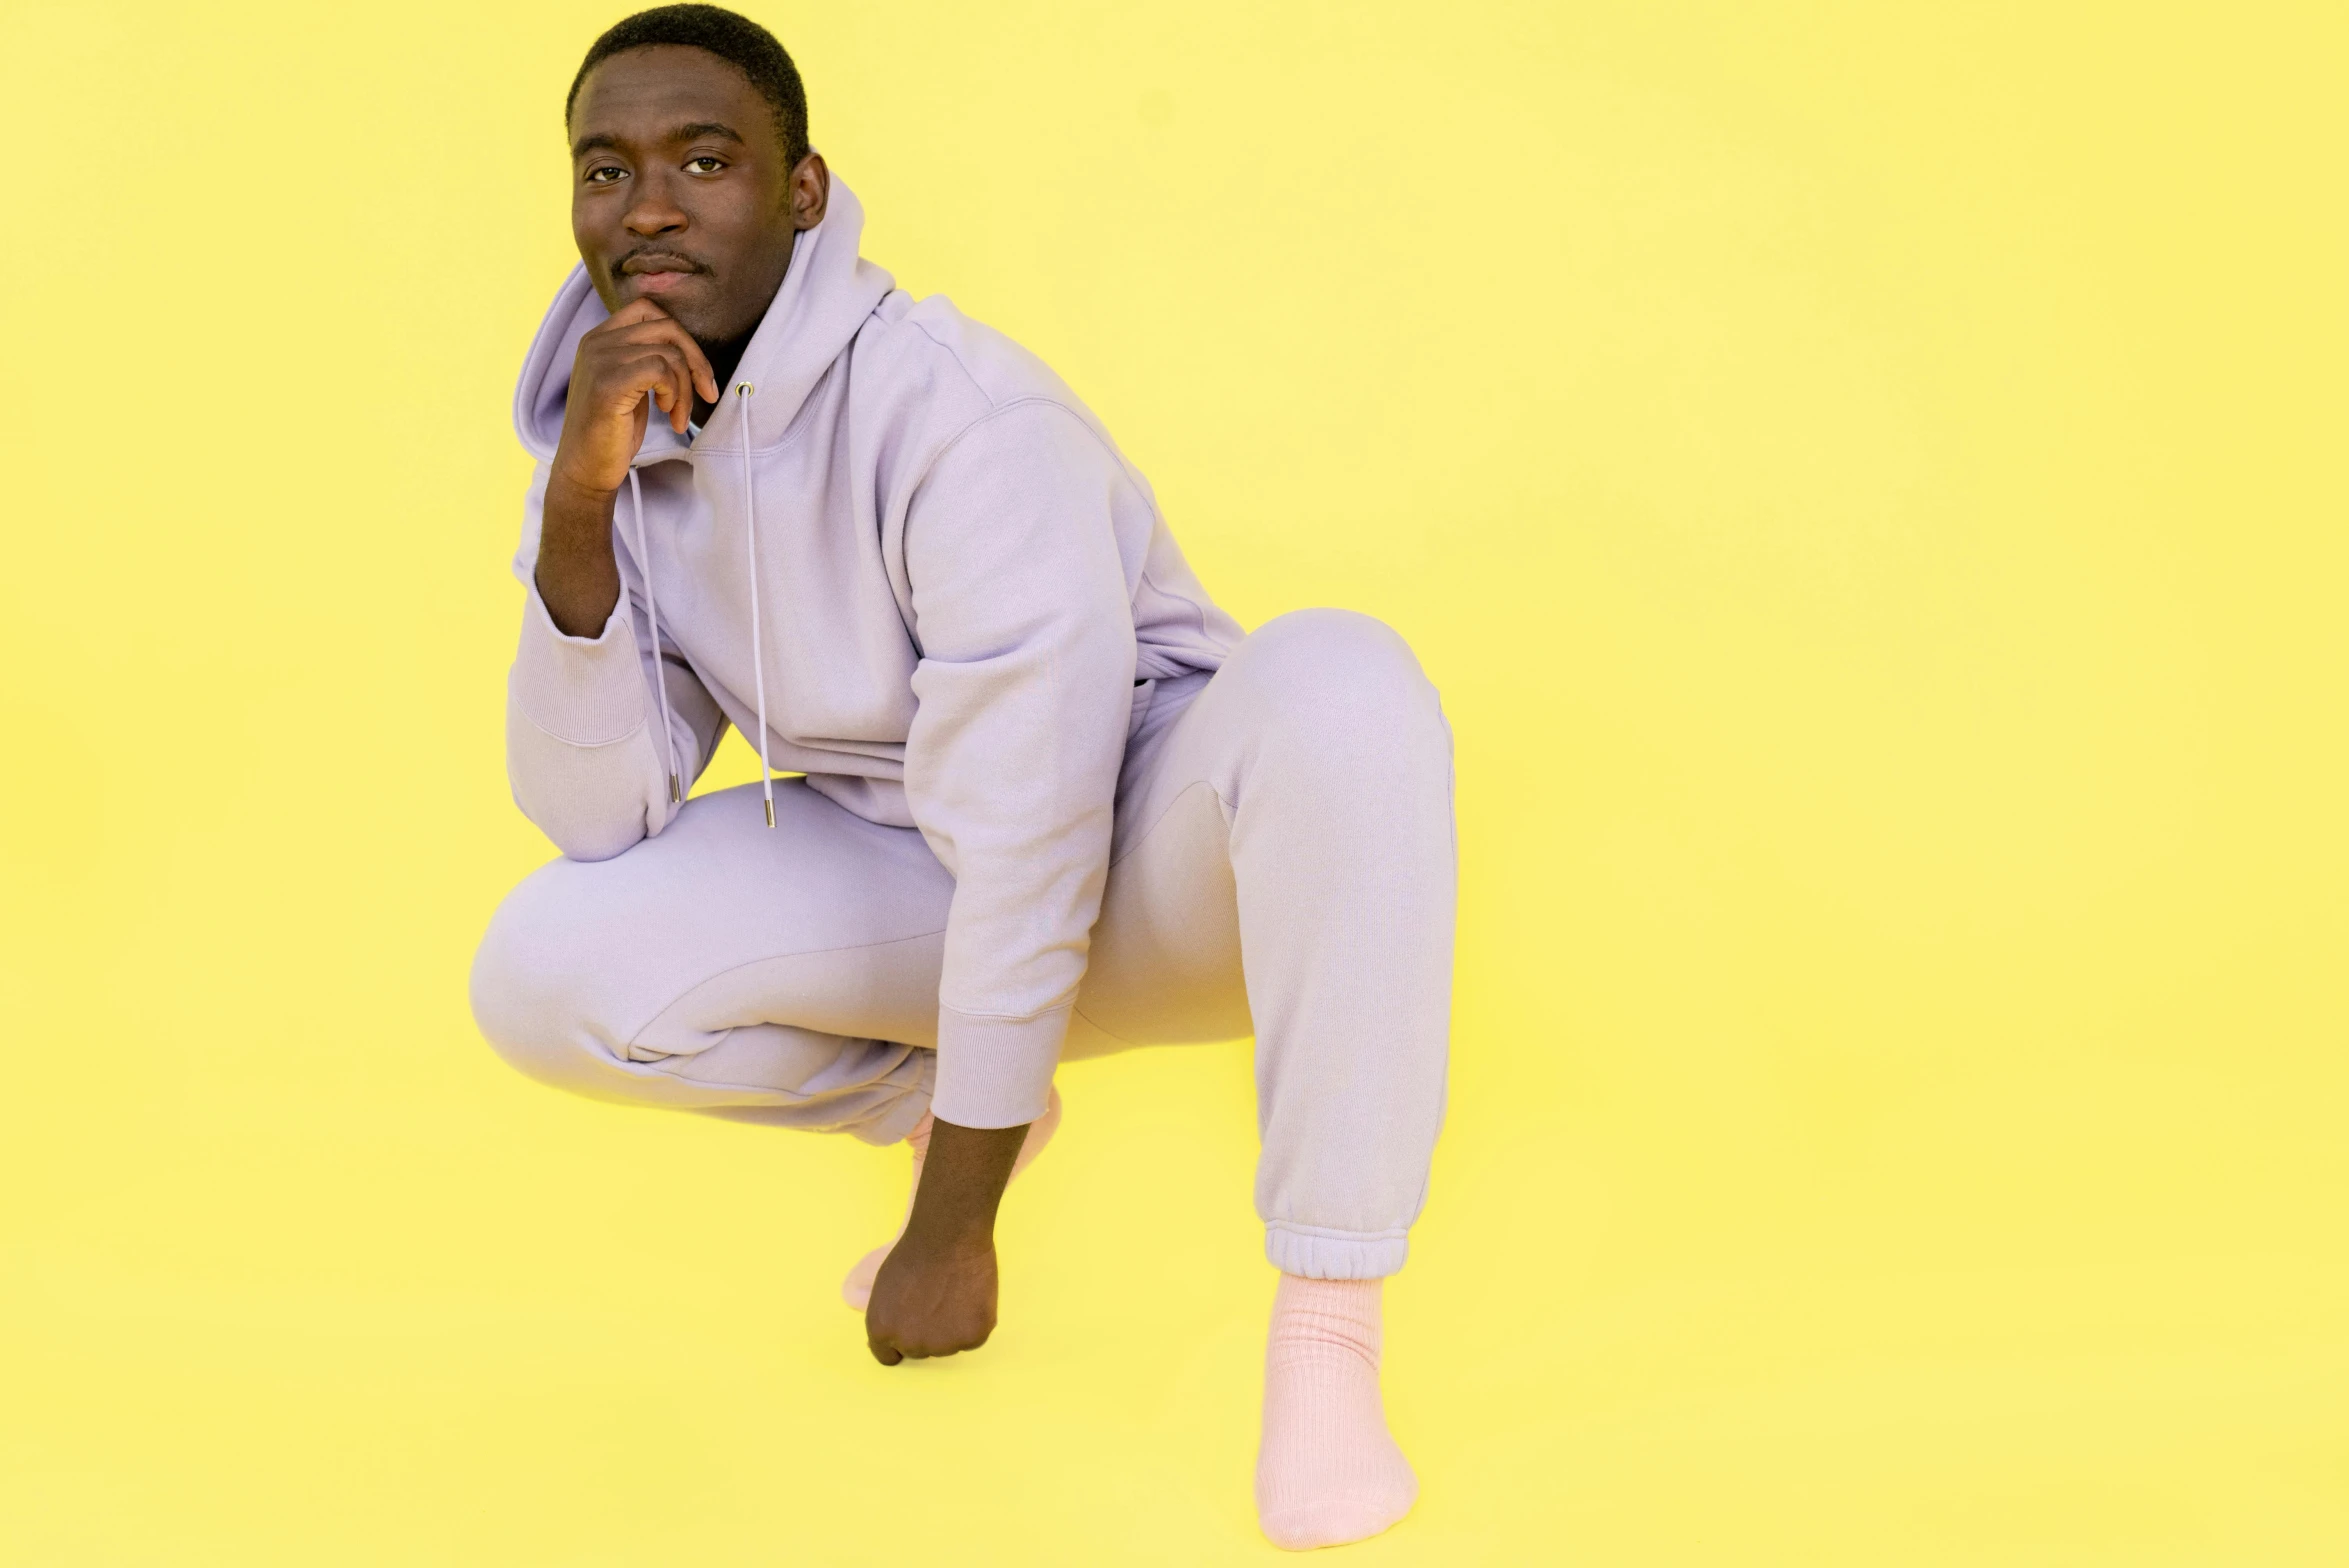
[995,1072]
[587,691]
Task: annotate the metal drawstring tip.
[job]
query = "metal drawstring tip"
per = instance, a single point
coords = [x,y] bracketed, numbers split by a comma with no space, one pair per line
[770,805]
[675,799]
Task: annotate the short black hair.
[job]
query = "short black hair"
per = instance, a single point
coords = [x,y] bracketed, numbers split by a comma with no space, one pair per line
[737,40]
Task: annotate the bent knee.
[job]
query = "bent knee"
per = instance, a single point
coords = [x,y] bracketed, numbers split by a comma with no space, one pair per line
[1319,635]
[1338,679]
[531,985]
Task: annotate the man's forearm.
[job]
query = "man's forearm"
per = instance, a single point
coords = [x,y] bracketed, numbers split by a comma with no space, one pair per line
[578,577]
[963,1177]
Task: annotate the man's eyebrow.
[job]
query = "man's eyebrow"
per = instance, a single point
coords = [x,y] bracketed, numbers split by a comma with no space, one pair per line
[684,133]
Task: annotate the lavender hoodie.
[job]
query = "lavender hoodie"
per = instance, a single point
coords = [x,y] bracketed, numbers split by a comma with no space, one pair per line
[908,546]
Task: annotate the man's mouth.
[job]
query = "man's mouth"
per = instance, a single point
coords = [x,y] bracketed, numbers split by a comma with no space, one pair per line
[657,274]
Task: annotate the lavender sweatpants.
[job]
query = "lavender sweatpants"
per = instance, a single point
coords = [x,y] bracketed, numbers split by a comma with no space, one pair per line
[1282,866]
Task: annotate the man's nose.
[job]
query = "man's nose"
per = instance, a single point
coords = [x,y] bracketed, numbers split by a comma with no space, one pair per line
[652,212]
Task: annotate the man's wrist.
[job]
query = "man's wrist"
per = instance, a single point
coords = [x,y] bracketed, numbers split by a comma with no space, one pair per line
[948,1218]
[575,501]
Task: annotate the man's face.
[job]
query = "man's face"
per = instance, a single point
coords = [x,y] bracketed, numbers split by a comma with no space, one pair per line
[679,190]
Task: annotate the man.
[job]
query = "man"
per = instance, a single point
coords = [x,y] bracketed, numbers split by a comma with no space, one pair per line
[1054,803]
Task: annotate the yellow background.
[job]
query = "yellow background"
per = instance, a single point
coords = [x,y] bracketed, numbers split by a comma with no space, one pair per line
[1867,479]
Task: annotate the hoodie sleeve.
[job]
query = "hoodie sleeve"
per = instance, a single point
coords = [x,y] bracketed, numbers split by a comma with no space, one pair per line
[1024,619]
[585,750]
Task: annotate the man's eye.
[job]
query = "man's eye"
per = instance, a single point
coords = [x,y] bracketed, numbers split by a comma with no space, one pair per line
[603,174]
[705,164]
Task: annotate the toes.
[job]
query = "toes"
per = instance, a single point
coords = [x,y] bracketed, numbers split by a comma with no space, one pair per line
[1336,1521]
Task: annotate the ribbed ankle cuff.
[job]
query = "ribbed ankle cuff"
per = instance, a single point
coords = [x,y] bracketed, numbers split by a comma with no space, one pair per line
[1313,1253]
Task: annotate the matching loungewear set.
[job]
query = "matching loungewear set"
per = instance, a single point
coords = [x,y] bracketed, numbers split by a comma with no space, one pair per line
[1055,803]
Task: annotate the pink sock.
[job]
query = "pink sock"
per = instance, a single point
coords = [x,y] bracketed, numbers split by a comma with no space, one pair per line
[1328,1472]
[857,1289]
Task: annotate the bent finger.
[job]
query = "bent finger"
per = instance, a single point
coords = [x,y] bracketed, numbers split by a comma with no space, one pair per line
[672,349]
[660,370]
[698,375]
[704,378]
[640,309]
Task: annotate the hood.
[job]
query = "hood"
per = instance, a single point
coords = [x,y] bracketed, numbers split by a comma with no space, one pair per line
[827,293]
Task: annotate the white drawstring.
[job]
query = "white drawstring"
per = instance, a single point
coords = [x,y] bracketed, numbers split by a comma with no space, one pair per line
[652,613]
[758,657]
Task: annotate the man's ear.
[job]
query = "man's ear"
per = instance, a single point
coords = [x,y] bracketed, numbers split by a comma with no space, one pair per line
[811,191]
